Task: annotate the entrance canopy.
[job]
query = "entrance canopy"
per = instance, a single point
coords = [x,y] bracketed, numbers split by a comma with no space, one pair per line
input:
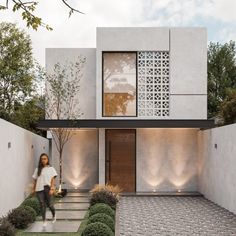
[125,123]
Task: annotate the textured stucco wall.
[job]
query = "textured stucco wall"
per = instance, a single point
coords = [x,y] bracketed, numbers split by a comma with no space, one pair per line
[166,159]
[188,73]
[80,160]
[87,94]
[217,166]
[17,163]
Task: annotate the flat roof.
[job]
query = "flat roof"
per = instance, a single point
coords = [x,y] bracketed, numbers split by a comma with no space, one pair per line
[126,123]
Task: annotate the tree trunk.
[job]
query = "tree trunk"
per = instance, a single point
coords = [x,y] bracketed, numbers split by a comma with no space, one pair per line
[60,170]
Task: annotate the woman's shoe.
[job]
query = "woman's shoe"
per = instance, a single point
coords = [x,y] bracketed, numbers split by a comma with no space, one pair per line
[44,224]
[54,219]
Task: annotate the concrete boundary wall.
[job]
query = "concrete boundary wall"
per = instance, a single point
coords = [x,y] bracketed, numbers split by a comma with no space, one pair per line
[19,153]
[217,165]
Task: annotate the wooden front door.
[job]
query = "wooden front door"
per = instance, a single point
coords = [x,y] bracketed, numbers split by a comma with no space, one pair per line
[120,158]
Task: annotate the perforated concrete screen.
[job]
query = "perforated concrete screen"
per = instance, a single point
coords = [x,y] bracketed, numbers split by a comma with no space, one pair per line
[153,84]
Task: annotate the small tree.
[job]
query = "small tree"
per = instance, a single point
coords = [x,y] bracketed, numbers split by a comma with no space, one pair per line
[62,102]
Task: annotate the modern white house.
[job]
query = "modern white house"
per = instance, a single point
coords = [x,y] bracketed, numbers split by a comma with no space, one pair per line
[144,101]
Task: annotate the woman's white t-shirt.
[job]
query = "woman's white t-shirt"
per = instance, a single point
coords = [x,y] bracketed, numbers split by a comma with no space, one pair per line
[47,173]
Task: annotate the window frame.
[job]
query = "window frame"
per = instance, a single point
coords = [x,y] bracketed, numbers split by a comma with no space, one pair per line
[136,77]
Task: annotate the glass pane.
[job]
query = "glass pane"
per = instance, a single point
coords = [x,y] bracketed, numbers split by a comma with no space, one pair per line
[119,84]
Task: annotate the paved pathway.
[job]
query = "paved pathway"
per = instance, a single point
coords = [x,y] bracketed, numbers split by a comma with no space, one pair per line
[149,216]
[70,211]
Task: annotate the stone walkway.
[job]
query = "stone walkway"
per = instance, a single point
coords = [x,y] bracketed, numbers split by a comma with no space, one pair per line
[149,216]
[70,211]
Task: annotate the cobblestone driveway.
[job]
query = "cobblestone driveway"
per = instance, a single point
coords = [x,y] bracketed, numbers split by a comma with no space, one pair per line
[150,216]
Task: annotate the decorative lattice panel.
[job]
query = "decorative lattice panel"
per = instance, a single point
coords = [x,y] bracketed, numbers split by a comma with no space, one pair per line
[153,84]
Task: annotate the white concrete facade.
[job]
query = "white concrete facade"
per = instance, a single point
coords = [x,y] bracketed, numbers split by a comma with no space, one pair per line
[19,154]
[187,50]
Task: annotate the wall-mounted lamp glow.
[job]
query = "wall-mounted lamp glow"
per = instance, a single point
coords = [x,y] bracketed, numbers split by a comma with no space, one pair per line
[179,190]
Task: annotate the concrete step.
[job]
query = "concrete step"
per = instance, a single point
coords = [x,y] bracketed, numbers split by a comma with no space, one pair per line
[62,226]
[74,199]
[67,215]
[71,206]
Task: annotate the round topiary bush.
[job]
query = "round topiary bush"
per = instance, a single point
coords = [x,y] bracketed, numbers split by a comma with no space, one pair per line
[6,228]
[97,229]
[31,212]
[19,217]
[103,218]
[32,202]
[102,208]
[104,196]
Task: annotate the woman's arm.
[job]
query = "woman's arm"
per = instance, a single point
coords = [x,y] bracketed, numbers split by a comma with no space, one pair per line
[52,186]
[34,186]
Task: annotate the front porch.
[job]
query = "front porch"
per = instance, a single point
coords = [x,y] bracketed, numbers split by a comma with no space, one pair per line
[151,156]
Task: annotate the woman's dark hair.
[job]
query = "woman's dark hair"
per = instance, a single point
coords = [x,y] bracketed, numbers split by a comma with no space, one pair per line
[40,165]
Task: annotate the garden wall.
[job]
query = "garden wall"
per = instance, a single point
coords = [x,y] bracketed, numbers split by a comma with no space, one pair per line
[19,153]
[217,165]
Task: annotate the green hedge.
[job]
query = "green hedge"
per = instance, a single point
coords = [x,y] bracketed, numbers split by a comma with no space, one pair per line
[103,218]
[32,202]
[20,217]
[6,228]
[31,212]
[102,208]
[97,229]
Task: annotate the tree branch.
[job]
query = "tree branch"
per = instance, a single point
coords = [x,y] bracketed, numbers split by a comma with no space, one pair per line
[71,8]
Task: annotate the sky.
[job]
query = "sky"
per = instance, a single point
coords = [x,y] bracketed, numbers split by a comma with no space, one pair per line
[218,16]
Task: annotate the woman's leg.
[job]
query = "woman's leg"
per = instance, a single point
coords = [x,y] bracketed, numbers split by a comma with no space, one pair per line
[41,198]
[49,200]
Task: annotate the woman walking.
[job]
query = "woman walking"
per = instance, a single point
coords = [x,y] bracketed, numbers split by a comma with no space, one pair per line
[44,186]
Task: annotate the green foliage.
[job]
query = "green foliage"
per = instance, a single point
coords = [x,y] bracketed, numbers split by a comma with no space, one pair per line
[221,74]
[104,196]
[28,114]
[27,9]
[228,108]
[97,229]
[6,228]
[102,208]
[103,218]
[31,211]
[32,202]
[19,217]
[16,65]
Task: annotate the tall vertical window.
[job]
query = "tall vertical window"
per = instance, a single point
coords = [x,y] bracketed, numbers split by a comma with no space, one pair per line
[119,84]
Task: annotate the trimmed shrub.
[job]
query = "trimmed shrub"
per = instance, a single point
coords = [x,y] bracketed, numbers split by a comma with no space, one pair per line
[97,229]
[32,202]
[102,208]
[6,228]
[31,212]
[103,218]
[19,217]
[104,197]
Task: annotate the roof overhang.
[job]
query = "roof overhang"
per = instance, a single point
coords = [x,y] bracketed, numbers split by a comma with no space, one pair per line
[126,123]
